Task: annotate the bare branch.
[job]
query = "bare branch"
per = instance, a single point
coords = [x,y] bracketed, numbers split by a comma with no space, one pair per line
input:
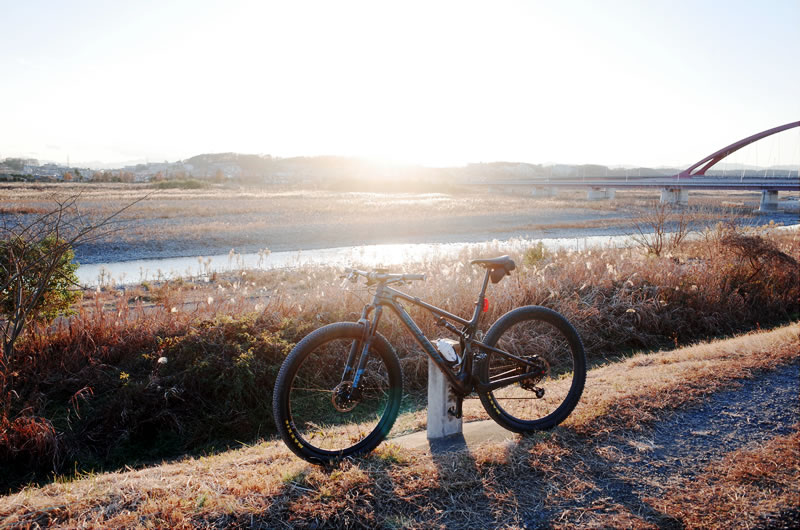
[655,231]
[32,256]
[51,223]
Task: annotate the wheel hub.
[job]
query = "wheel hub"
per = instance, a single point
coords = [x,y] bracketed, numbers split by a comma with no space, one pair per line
[343,397]
[539,368]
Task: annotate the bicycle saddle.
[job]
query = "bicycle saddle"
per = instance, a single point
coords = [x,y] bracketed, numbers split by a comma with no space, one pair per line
[500,266]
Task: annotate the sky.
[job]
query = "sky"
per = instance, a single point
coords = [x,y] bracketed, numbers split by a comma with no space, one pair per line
[642,82]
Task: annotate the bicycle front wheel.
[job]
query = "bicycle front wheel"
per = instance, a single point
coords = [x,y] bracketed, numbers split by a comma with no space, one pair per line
[316,413]
[546,339]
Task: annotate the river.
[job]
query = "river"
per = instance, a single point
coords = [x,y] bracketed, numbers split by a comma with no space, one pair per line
[137,271]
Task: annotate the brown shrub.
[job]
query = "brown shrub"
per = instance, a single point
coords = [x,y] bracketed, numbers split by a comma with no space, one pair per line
[25,441]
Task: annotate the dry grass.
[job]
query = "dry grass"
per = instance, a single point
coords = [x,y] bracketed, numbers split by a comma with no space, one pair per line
[748,489]
[276,204]
[629,394]
[250,217]
[93,385]
[550,479]
[286,204]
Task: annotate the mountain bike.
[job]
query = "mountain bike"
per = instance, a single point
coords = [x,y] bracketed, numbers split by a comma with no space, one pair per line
[338,392]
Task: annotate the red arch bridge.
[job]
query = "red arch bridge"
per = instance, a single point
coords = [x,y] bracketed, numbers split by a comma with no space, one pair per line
[675,188]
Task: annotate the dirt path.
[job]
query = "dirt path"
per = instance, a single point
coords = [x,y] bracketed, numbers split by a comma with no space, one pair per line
[752,414]
[689,442]
[677,448]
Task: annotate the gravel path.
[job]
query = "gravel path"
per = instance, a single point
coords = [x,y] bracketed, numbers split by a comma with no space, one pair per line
[678,447]
[684,444]
[759,410]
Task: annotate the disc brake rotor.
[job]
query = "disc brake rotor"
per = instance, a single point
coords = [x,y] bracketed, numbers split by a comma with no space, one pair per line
[342,399]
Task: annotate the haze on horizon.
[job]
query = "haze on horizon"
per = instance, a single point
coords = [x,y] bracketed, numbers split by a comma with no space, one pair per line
[445,83]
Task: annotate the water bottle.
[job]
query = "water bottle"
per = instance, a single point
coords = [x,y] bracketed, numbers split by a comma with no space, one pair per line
[449,350]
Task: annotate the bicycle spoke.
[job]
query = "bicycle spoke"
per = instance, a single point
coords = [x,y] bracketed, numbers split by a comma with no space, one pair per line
[322,409]
[539,341]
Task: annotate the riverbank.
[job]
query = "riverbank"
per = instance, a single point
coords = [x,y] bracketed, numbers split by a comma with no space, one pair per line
[207,222]
[193,237]
[93,388]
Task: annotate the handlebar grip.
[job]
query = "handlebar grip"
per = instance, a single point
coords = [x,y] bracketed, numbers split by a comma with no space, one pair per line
[414,277]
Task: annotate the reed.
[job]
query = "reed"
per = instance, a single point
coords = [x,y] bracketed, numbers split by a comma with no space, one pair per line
[180,366]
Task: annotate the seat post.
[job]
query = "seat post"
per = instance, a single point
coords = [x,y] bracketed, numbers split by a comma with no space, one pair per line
[479,302]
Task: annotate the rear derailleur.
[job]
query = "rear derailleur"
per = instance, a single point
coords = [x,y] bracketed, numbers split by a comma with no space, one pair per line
[539,368]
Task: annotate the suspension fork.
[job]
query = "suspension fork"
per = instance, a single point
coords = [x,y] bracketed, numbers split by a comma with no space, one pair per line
[356,346]
[362,362]
[366,343]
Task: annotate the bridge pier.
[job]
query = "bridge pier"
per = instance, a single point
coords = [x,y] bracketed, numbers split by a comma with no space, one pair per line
[677,196]
[599,194]
[540,191]
[769,201]
[440,398]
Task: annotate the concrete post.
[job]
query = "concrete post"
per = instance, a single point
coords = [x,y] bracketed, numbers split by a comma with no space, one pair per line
[599,194]
[440,398]
[540,191]
[769,201]
[679,196]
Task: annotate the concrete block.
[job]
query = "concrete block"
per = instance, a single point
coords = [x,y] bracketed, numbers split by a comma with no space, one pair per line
[600,194]
[440,398]
[543,192]
[769,201]
[677,196]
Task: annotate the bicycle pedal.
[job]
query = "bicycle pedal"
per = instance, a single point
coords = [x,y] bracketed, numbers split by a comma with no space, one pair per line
[455,412]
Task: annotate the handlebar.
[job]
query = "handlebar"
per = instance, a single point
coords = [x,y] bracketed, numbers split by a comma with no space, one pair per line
[381,277]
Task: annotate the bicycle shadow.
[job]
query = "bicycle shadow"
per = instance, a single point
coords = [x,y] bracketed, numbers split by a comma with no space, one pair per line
[460,476]
[526,500]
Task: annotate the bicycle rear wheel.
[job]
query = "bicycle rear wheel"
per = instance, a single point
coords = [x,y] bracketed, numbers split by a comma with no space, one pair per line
[545,338]
[312,412]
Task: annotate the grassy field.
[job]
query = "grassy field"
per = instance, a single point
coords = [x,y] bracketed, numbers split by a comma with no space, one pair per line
[90,392]
[558,479]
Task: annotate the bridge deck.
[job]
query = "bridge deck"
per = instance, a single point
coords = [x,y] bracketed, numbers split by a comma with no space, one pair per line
[652,182]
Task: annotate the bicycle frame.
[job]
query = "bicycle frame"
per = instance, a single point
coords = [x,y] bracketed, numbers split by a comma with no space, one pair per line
[462,382]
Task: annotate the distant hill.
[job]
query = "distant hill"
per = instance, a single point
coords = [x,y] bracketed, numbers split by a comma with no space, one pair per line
[337,168]
[344,172]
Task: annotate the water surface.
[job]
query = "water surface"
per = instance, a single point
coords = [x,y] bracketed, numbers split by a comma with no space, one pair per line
[401,255]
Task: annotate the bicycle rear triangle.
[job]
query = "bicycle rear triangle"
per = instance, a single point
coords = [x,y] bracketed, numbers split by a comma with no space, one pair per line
[338,392]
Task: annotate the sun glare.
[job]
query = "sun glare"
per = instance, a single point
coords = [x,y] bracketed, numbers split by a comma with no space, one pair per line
[438,84]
